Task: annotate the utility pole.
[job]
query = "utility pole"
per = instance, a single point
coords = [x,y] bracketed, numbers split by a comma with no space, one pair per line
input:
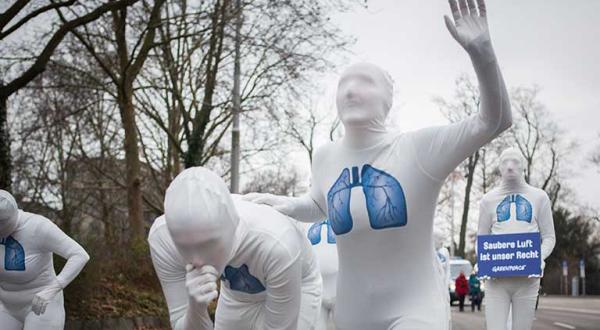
[235,131]
[453,177]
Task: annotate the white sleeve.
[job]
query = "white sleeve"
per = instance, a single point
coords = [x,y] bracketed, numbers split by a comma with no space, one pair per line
[283,284]
[172,280]
[546,225]
[54,240]
[440,149]
[311,207]
[484,227]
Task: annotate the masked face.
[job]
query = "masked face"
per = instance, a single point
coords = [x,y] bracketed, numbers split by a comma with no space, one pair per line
[9,214]
[364,96]
[201,218]
[511,165]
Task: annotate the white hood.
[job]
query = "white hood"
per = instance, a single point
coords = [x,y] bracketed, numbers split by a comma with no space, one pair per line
[201,217]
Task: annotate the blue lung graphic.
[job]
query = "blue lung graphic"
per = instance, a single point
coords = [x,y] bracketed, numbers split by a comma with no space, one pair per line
[14,255]
[503,209]
[240,279]
[338,204]
[314,233]
[523,208]
[386,203]
[330,233]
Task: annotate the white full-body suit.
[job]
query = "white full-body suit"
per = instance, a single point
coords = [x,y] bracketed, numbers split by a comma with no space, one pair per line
[379,190]
[269,275]
[321,236]
[515,207]
[31,294]
[443,255]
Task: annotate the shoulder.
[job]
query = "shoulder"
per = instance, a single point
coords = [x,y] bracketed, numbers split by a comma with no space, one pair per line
[158,226]
[274,230]
[489,196]
[39,223]
[159,238]
[322,151]
[539,194]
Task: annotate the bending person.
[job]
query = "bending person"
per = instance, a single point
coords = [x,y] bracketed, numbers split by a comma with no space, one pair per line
[31,294]
[379,188]
[269,275]
[514,207]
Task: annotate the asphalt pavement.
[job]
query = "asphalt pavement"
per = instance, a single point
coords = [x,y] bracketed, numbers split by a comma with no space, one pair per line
[554,312]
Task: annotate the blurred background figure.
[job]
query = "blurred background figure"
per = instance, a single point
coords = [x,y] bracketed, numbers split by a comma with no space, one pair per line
[462,289]
[475,292]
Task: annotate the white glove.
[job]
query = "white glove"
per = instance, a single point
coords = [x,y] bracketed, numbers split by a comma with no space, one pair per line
[543,265]
[282,204]
[42,298]
[201,284]
[470,28]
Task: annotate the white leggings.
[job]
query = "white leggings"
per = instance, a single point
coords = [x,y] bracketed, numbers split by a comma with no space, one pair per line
[501,293]
[23,318]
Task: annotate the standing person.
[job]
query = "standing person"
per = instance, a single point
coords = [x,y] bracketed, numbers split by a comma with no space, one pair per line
[515,207]
[475,292]
[31,294]
[322,238]
[462,289]
[268,273]
[379,188]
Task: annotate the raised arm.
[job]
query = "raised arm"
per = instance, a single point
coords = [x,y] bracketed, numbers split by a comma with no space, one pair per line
[470,30]
[440,149]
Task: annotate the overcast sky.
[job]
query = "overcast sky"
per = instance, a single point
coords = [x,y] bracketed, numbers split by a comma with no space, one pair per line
[550,43]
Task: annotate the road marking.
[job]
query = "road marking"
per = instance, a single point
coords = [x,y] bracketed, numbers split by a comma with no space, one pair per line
[575,310]
[564,325]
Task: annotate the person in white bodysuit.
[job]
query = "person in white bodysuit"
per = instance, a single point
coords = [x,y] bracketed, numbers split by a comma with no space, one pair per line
[379,188]
[31,294]
[321,236]
[269,275]
[515,207]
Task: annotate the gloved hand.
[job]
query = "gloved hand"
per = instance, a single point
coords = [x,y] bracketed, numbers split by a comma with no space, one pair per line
[543,265]
[201,284]
[42,298]
[282,204]
[470,28]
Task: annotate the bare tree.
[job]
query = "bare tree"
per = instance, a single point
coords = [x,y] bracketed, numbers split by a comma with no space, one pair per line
[466,103]
[187,88]
[121,55]
[540,141]
[20,13]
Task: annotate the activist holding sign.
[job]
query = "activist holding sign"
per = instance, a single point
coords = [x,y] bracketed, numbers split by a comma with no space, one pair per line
[511,211]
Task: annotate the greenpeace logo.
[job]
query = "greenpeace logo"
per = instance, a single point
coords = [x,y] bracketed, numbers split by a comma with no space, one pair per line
[510,268]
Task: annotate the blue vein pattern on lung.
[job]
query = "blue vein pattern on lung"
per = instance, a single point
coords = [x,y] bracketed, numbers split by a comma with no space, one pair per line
[240,279]
[523,208]
[385,199]
[314,233]
[14,255]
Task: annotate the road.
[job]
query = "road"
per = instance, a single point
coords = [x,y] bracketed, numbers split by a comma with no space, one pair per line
[554,312]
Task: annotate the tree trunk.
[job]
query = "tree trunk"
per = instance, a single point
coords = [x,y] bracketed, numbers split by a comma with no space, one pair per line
[5,159]
[132,165]
[472,164]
